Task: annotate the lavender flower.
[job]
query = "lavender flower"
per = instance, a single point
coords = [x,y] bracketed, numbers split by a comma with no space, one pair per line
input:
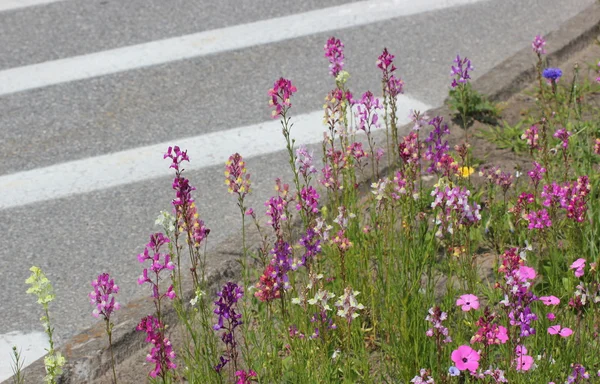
[103,296]
[460,71]
[552,74]
[538,45]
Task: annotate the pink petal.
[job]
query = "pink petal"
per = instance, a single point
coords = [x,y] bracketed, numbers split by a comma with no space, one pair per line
[550,300]
[566,332]
[553,330]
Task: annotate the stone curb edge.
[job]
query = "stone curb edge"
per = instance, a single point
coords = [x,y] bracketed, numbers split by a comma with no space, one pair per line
[86,353]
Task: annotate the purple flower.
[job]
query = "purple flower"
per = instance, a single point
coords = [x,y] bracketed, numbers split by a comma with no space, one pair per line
[536,173]
[539,219]
[384,62]
[159,262]
[280,96]
[282,264]
[308,200]
[334,51]
[460,71]
[161,354]
[367,112]
[563,135]
[229,320]
[552,74]
[538,45]
[103,296]
[312,245]
[436,316]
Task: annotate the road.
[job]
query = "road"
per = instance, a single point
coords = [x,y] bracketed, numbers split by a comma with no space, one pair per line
[93,91]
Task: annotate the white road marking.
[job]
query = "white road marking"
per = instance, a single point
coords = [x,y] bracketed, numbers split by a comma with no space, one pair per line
[111,170]
[214,41]
[7,5]
[31,347]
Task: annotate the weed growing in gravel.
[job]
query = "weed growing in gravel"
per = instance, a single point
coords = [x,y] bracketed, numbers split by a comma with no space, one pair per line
[441,273]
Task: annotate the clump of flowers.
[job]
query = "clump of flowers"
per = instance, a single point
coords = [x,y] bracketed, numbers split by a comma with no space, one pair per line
[160,262]
[438,331]
[244,377]
[280,96]
[43,290]
[267,288]
[334,51]
[437,147]
[460,71]
[103,298]
[161,354]
[536,173]
[229,320]
[532,136]
[539,219]
[489,331]
[348,306]
[455,210]
[236,177]
[424,377]
[538,45]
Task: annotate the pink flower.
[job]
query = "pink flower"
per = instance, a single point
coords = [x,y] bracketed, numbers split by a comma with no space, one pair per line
[558,330]
[523,362]
[578,265]
[468,302]
[551,316]
[465,357]
[502,334]
[538,45]
[550,300]
[527,273]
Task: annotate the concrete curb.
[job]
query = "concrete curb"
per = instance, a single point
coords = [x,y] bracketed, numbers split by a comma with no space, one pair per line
[86,353]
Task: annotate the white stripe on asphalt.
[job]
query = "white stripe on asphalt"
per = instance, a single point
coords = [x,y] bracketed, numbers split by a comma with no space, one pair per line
[214,41]
[30,345]
[7,5]
[134,165]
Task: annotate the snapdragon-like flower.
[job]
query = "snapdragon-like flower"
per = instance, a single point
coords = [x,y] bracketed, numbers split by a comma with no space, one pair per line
[532,136]
[282,264]
[236,177]
[102,297]
[424,377]
[578,374]
[385,61]
[437,147]
[597,144]
[348,306]
[536,173]
[266,288]
[276,213]
[40,286]
[489,331]
[244,377]
[160,262]
[161,354]
[539,219]
[563,135]
[280,96]
[312,245]
[308,200]
[334,51]
[228,321]
[436,317]
[465,358]
[304,162]
[460,71]
[367,109]
[538,45]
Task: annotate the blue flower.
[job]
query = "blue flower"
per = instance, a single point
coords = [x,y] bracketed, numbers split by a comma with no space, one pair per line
[552,73]
[453,371]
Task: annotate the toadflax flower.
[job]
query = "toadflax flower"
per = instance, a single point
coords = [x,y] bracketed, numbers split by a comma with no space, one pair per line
[460,71]
[103,296]
[465,358]
[280,96]
[538,45]
[348,306]
[334,51]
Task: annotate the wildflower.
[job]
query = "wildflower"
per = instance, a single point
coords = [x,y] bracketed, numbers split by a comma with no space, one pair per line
[578,265]
[539,219]
[304,161]
[40,286]
[276,213]
[266,290]
[453,371]
[308,200]
[312,245]
[460,71]
[177,155]
[409,148]
[236,178]
[563,135]
[348,306]
[424,377]
[536,173]
[418,119]
[384,61]
[161,354]
[282,264]
[550,300]
[532,136]
[558,330]
[229,320]
[551,316]
[538,45]
[552,74]
[468,302]
[465,172]
[334,51]
[280,95]
[597,144]
[489,332]
[160,262]
[523,362]
[245,377]
[436,317]
[395,86]
[367,110]
[578,374]
[103,296]
[465,358]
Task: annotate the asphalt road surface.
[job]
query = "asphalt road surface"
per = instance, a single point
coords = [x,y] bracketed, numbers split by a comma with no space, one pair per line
[93,91]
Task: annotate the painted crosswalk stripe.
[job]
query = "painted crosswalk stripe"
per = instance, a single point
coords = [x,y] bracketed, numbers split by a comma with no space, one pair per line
[8,5]
[144,163]
[212,42]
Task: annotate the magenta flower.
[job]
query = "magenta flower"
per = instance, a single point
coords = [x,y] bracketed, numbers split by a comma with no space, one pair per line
[536,173]
[538,45]
[103,296]
[578,265]
[558,330]
[539,219]
[551,316]
[550,300]
[334,51]
[460,71]
[523,363]
[526,273]
[385,61]
[563,135]
[468,302]
[465,358]
[245,377]
[161,354]
[236,177]
[280,95]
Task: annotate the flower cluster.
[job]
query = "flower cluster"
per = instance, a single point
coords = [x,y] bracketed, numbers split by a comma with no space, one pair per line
[161,354]
[244,377]
[460,71]
[334,51]
[563,135]
[282,264]
[455,210]
[160,262]
[308,200]
[280,95]
[266,287]
[489,331]
[538,45]
[366,112]
[496,176]
[424,377]
[532,136]
[437,147]
[436,316]
[539,219]
[536,173]
[312,245]
[570,196]
[304,162]
[102,297]
[236,178]
[229,320]
[276,213]
[348,306]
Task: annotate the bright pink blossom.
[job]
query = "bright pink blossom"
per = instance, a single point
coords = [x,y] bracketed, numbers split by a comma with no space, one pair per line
[578,265]
[523,363]
[558,330]
[468,302]
[550,300]
[465,358]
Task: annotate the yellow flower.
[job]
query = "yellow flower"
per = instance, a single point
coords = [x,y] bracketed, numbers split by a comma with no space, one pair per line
[465,171]
[40,286]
